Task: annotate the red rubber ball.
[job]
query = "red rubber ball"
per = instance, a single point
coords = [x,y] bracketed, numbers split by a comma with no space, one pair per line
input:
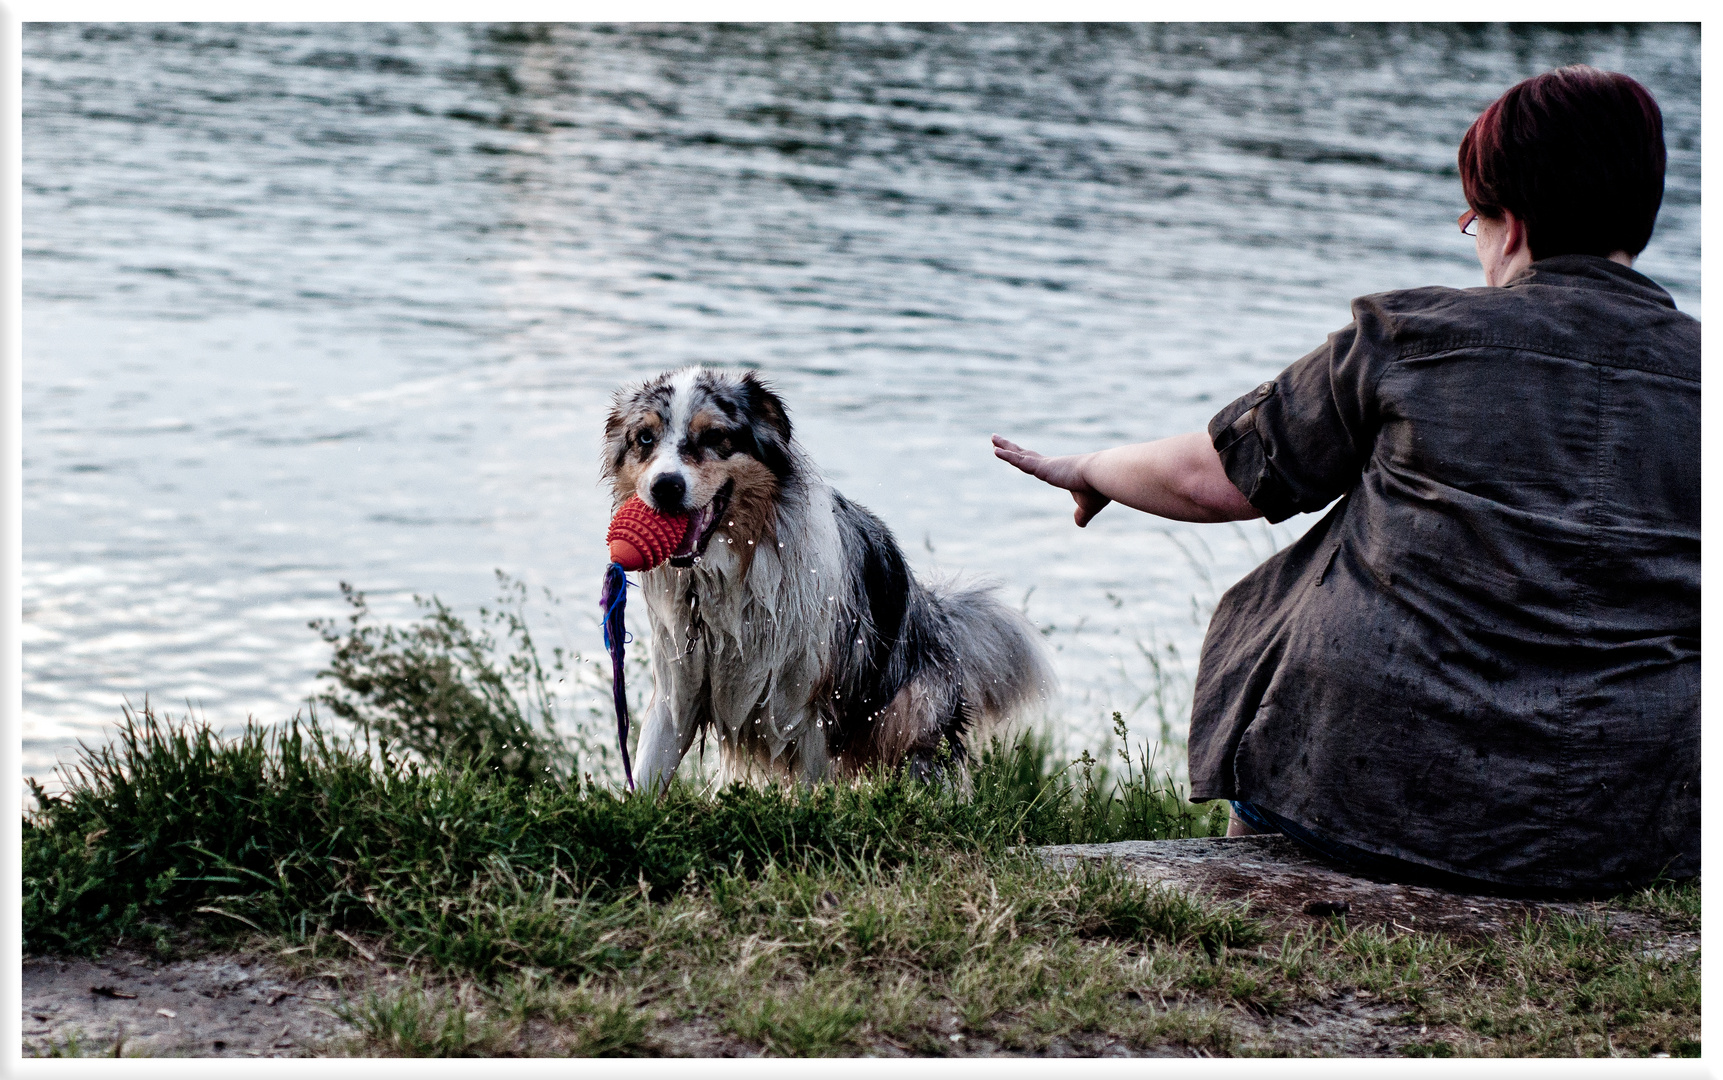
[640,537]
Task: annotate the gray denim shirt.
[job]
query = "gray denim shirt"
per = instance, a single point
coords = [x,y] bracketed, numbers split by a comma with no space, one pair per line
[1485,657]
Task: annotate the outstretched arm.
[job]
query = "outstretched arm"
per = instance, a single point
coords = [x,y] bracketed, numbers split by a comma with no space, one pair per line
[1179,478]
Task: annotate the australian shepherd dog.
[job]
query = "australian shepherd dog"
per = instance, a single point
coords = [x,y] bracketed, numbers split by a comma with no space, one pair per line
[788,624]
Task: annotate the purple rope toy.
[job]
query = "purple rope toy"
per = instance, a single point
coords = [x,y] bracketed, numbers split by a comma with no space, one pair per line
[614,601]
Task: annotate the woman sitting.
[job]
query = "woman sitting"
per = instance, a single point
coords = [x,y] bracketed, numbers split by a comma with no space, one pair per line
[1482,664]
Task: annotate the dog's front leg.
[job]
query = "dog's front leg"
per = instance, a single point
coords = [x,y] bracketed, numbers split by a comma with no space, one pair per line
[662,746]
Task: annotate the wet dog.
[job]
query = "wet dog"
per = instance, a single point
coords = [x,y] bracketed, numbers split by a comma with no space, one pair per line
[788,624]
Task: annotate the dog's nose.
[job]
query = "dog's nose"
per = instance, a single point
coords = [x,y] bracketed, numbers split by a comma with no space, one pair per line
[667,492]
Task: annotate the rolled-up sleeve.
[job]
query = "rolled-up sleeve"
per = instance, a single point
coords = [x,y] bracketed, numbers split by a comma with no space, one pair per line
[1298,442]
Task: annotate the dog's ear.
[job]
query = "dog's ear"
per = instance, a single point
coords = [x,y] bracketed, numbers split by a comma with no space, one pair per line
[765,405]
[615,432]
[770,422]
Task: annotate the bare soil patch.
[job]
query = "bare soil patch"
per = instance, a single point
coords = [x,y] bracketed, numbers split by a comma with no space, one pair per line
[128,1003]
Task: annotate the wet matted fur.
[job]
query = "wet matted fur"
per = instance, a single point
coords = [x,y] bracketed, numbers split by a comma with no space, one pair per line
[788,624]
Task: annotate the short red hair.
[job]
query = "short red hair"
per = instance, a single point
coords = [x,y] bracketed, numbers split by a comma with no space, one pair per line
[1575,153]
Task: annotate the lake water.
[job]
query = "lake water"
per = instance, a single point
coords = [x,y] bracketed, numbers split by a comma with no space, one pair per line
[314,303]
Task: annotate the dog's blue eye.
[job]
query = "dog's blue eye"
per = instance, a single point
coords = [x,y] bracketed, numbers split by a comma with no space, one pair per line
[645,438]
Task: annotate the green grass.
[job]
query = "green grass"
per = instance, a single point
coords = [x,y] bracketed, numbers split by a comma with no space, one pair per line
[1676,903]
[292,830]
[459,785]
[1008,955]
[830,961]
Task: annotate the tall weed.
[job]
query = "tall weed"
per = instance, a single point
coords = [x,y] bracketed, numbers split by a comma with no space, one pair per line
[447,693]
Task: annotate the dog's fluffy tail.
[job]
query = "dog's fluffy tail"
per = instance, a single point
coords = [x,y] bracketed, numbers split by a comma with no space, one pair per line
[1003,663]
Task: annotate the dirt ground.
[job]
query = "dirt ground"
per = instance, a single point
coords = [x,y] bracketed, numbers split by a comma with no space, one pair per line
[224,1005]
[213,1006]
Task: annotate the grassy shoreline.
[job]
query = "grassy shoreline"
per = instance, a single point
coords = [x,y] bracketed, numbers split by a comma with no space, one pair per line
[883,917]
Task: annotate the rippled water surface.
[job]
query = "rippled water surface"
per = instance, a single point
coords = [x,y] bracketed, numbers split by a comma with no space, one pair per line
[306,304]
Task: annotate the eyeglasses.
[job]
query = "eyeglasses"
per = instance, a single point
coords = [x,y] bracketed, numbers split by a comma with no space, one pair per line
[1469,223]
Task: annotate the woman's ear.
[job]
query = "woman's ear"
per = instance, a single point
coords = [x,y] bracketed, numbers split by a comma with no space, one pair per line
[1518,238]
[1504,248]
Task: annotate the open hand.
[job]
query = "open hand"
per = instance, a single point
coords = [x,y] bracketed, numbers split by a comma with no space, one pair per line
[1062,472]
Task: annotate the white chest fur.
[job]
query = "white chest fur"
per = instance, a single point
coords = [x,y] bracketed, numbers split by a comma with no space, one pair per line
[744,638]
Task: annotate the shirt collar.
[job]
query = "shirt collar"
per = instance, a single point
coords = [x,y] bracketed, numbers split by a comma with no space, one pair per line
[1592,272]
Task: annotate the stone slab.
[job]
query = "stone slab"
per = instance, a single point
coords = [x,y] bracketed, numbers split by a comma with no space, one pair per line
[1287,887]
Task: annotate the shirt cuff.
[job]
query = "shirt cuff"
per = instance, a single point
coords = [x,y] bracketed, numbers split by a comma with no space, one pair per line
[1236,438]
